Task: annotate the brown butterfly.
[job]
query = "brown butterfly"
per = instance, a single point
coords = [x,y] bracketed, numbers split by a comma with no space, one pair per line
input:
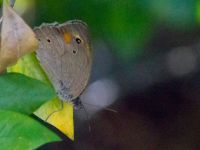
[65,55]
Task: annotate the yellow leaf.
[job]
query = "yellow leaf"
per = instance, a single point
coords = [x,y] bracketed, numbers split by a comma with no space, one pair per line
[17,38]
[58,114]
[29,66]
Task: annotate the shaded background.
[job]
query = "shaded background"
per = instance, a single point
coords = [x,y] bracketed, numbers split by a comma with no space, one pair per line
[146,67]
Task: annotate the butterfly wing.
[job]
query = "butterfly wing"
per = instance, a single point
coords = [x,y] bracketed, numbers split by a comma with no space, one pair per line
[65,55]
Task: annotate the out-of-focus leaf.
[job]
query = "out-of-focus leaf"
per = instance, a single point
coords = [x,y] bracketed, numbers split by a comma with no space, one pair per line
[125,26]
[23,94]
[58,116]
[17,38]
[20,132]
[178,14]
[198,11]
[12,2]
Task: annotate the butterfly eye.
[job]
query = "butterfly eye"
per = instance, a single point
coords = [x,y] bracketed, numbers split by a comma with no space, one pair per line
[48,40]
[74,51]
[78,40]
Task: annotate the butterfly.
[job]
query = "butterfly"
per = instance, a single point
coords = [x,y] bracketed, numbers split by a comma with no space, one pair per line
[65,55]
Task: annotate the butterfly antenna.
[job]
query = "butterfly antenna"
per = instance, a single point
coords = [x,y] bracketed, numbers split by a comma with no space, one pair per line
[12,2]
[62,106]
[79,105]
[108,109]
[87,117]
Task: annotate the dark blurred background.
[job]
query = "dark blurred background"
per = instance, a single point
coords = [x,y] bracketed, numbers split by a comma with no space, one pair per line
[146,67]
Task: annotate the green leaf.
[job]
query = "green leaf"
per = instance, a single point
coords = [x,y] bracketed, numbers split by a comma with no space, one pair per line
[20,132]
[23,94]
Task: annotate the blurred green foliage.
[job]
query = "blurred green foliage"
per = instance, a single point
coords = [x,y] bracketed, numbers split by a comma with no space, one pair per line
[126,25]
[179,14]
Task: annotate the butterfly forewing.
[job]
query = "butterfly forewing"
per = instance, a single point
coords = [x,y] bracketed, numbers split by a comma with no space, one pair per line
[65,55]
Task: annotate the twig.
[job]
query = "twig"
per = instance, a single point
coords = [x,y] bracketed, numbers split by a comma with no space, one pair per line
[12,3]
